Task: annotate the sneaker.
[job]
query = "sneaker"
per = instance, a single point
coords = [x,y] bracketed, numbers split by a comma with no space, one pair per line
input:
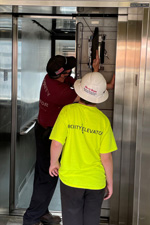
[49,219]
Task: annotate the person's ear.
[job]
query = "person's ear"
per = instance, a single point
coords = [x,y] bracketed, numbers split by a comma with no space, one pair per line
[62,75]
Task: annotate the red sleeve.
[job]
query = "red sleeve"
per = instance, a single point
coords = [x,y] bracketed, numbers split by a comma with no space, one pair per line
[66,96]
[70,81]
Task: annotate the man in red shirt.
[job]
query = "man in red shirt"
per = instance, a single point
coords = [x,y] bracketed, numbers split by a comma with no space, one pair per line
[56,89]
[56,92]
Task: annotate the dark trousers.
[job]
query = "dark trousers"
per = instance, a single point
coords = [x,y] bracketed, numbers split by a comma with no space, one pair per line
[44,185]
[81,206]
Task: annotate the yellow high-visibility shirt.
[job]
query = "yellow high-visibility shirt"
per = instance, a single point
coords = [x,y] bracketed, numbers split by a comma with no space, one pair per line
[85,133]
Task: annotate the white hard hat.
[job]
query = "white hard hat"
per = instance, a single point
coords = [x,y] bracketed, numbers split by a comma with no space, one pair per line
[92,87]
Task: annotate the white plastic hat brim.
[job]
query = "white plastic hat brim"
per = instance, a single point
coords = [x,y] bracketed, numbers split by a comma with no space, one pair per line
[88,97]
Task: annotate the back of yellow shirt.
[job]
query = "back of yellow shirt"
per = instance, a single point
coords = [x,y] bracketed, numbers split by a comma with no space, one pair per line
[85,133]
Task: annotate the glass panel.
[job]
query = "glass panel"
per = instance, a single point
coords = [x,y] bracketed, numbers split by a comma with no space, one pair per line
[4,8]
[66,10]
[47,9]
[5,108]
[33,53]
[35,9]
[66,48]
[66,25]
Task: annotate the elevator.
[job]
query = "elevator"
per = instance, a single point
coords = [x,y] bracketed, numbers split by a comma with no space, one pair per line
[29,35]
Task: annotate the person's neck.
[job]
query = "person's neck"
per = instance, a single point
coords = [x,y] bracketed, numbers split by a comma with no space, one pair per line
[91,105]
[61,79]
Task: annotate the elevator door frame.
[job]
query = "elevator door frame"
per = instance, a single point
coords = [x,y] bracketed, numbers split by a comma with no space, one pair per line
[117,208]
[125,113]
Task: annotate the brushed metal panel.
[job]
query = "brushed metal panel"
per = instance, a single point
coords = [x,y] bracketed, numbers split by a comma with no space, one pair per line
[135,11]
[144,216]
[77,3]
[134,118]
[123,10]
[125,109]
[79,43]
[5,110]
[14,111]
[118,115]
[141,189]
[129,125]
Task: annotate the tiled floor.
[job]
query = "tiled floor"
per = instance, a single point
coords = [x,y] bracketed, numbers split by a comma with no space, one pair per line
[17,220]
[10,220]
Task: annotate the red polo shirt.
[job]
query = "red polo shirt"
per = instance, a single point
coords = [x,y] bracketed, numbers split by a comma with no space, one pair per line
[53,96]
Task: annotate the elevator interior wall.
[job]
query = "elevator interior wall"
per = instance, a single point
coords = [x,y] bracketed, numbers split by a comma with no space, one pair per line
[107,26]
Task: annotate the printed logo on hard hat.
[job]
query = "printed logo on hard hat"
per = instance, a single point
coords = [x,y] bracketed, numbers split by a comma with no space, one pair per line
[59,71]
[90,90]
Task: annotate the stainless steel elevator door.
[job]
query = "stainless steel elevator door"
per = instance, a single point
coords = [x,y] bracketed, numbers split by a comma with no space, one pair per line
[141,214]
[5,109]
[125,112]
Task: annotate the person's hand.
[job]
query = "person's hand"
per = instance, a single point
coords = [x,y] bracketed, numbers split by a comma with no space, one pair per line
[53,169]
[96,62]
[112,83]
[108,191]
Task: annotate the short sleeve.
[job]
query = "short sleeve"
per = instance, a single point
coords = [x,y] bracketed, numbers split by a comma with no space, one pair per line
[108,143]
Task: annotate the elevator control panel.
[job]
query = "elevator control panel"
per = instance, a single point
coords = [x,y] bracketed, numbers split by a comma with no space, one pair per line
[96,42]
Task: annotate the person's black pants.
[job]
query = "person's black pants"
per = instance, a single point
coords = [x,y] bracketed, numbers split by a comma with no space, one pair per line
[44,184]
[81,206]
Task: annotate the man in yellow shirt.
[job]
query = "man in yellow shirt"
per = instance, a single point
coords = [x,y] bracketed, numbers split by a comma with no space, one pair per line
[83,134]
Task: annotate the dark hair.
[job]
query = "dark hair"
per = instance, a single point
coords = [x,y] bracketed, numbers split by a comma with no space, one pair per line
[86,102]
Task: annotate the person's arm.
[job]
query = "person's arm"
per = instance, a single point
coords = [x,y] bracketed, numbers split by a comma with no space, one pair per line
[112,83]
[55,151]
[96,63]
[107,162]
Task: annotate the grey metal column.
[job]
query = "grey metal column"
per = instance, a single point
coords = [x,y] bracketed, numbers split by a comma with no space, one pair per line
[141,214]
[118,112]
[125,109]
[129,118]
[14,111]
